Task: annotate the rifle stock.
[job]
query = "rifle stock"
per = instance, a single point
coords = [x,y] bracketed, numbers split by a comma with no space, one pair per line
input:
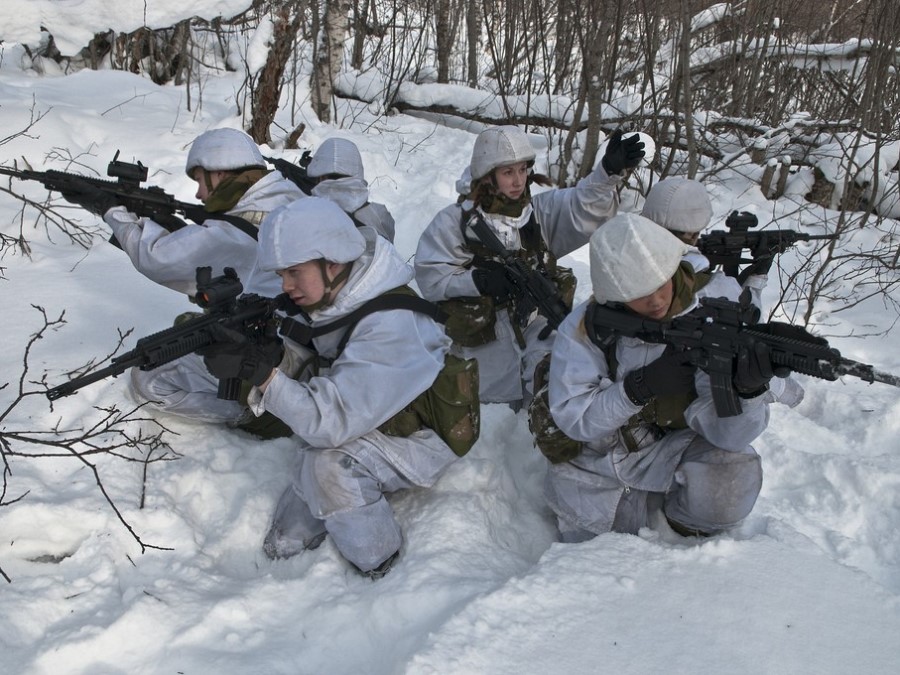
[250,314]
[296,173]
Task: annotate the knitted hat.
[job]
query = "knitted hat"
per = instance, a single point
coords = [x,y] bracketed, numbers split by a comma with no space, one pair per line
[632,257]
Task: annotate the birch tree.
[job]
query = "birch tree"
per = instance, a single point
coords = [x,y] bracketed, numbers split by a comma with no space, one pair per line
[328,56]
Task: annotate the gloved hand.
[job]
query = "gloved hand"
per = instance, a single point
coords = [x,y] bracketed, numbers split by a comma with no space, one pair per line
[622,154]
[233,355]
[670,374]
[753,369]
[763,257]
[89,197]
[493,282]
[760,265]
[755,366]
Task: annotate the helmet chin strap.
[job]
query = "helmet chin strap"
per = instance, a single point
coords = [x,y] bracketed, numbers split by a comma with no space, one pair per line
[207,178]
[330,285]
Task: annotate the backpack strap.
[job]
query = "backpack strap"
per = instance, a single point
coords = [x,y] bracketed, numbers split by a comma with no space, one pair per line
[532,242]
[252,217]
[198,215]
[402,297]
[603,338]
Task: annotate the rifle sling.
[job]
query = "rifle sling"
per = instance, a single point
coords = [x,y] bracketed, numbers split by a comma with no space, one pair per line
[244,225]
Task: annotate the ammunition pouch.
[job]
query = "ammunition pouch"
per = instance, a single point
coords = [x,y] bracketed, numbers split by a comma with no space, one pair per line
[450,406]
[471,320]
[549,438]
[565,281]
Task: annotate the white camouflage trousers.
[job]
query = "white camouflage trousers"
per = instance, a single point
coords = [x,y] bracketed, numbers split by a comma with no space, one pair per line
[184,387]
[703,488]
[341,492]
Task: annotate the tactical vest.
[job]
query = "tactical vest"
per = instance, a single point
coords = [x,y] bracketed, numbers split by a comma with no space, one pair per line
[450,406]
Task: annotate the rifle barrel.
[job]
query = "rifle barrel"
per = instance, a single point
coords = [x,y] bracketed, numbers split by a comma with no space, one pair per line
[117,368]
[866,372]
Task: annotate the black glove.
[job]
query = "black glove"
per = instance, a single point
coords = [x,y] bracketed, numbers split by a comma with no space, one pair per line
[492,281]
[233,355]
[763,256]
[622,154]
[672,373]
[753,369]
[89,197]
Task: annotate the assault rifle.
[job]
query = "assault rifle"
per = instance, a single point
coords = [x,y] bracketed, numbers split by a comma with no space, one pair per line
[252,315]
[715,333]
[296,173]
[724,247]
[534,289]
[150,202]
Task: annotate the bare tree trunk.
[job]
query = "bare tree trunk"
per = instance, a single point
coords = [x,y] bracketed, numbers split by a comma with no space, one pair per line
[473,31]
[360,31]
[562,47]
[443,39]
[328,57]
[267,92]
[592,57]
[684,74]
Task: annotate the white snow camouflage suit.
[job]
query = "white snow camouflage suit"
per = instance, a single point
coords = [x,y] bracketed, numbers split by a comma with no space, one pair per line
[184,387]
[345,465]
[707,476]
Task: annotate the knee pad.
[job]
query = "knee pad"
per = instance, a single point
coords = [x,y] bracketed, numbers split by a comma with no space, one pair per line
[715,492]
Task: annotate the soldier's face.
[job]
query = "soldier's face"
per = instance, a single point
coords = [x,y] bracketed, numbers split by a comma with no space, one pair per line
[206,182]
[304,283]
[511,180]
[656,305]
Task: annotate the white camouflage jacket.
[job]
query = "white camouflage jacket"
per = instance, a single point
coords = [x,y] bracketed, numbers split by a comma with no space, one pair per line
[391,357]
[567,217]
[352,195]
[171,258]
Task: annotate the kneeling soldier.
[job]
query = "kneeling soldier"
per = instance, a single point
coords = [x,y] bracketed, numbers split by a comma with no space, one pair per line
[642,419]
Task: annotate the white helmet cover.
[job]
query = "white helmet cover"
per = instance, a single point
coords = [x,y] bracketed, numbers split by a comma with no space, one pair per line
[338,156]
[223,150]
[311,228]
[632,257]
[499,146]
[678,204]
